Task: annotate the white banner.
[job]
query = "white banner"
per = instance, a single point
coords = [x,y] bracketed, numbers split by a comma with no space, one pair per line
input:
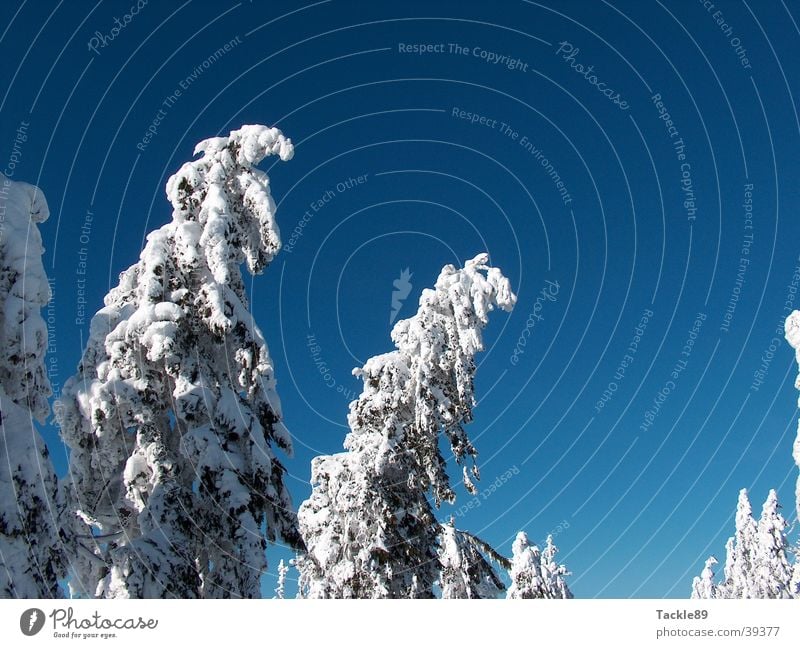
[399,623]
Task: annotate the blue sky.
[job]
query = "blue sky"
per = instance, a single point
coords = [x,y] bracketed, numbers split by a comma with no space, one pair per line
[426,133]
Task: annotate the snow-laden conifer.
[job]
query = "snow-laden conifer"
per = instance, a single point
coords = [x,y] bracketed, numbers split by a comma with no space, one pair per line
[368,526]
[703,586]
[32,559]
[173,415]
[740,577]
[772,562]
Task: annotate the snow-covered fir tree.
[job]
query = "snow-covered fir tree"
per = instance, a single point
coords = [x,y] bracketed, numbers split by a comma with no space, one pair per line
[740,567]
[32,559]
[535,573]
[464,570]
[772,564]
[703,586]
[173,415]
[368,526]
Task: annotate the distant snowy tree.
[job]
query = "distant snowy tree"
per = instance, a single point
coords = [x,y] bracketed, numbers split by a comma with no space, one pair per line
[704,586]
[773,568]
[723,590]
[173,413]
[368,526]
[536,574]
[32,559]
[555,572]
[283,570]
[740,580]
[465,573]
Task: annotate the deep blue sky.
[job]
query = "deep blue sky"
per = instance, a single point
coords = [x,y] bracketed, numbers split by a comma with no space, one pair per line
[635,511]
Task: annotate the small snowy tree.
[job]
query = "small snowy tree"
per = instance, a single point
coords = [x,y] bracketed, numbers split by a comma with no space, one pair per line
[369,529]
[283,570]
[555,573]
[465,573]
[32,559]
[536,574]
[740,567]
[173,413]
[703,586]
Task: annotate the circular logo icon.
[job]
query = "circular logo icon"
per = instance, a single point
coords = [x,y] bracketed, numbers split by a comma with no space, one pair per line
[31,621]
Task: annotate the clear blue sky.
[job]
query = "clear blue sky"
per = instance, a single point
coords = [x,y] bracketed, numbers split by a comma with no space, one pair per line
[650,218]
